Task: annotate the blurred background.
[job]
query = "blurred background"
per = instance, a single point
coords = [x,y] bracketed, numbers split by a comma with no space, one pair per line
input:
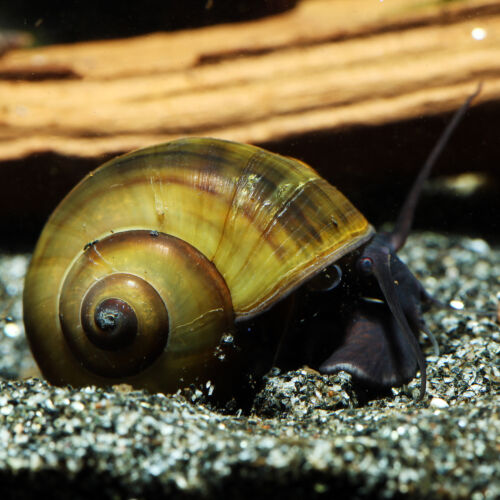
[359,90]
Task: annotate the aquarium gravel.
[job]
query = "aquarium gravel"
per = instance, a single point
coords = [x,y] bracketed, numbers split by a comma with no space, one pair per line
[306,436]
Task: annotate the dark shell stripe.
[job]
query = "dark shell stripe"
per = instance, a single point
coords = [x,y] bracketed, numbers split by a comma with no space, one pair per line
[244,208]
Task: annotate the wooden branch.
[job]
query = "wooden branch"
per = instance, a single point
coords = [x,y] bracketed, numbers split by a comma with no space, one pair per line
[323,66]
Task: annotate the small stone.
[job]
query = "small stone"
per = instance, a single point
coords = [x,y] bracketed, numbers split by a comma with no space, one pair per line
[12,330]
[477,245]
[438,403]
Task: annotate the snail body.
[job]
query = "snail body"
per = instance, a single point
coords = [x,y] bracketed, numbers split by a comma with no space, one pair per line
[144,269]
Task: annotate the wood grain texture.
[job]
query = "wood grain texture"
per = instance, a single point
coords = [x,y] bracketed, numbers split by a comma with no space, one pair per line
[326,65]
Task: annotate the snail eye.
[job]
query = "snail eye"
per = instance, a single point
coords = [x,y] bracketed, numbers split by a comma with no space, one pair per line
[365,265]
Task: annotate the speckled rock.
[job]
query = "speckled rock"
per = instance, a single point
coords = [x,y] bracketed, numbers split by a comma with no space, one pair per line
[308,435]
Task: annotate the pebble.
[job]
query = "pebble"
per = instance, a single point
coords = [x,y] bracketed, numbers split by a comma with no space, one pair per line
[438,403]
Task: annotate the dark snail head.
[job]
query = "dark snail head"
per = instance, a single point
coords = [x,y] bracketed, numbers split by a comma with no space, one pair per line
[381,346]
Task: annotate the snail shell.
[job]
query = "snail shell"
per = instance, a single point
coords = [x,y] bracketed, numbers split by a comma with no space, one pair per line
[144,268]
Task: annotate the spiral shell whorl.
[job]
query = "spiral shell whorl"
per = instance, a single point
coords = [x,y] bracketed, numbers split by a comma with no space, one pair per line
[141,326]
[154,277]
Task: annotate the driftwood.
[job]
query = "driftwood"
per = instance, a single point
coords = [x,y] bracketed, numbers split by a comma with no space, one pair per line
[325,66]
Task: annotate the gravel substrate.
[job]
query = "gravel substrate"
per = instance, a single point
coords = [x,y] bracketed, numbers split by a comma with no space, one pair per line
[307,435]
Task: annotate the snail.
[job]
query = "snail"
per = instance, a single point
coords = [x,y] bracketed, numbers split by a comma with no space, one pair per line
[156,268]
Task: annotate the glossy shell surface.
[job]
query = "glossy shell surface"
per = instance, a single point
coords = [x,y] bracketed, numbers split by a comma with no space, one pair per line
[262,222]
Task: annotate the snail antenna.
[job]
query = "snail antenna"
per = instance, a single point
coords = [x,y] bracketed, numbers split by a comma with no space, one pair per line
[382,271]
[405,219]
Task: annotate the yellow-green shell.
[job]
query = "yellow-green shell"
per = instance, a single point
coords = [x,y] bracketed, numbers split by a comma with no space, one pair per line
[266,222]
